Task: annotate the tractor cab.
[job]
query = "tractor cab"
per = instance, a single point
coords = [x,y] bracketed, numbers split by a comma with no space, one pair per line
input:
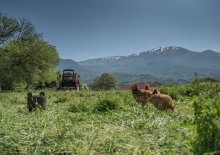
[70,80]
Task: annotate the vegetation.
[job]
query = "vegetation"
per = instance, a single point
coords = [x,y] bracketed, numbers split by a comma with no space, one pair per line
[110,122]
[25,58]
[207,79]
[104,82]
[207,121]
[16,29]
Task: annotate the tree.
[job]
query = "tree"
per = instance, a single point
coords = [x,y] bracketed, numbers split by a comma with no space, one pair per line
[24,56]
[8,27]
[16,29]
[104,82]
[27,62]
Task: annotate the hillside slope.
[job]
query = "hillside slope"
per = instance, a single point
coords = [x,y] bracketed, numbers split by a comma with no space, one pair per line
[168,64]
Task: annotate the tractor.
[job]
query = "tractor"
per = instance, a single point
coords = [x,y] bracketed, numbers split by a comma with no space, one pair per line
[69,80]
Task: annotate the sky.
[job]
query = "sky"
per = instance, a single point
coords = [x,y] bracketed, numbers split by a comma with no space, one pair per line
[86,29]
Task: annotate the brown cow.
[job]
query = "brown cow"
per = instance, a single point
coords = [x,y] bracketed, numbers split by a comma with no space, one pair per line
[160,101]
[140,95]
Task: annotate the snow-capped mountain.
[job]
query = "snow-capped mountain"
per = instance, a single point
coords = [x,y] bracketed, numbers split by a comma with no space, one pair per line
[169,63]
[111,58]
[157,51]
[166,50]
[154,52]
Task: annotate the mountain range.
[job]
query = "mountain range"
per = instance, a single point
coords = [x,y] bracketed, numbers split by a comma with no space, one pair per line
[164,65]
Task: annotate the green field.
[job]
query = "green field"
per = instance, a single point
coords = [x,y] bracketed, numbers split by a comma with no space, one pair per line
[103,122]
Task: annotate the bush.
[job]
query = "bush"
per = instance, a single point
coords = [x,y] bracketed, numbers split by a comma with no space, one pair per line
[78,107]
[187,90]
[61,99]
[104,82]
[207,88]
[172,92]
[207,122]
[207,79]
[105,105]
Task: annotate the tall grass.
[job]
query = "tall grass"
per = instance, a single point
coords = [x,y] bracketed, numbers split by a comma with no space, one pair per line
[104,122]
[207,122]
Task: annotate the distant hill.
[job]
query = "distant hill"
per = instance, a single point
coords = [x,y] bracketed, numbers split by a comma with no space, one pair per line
[125,78]
[164,64]
[167,63]
[68,64]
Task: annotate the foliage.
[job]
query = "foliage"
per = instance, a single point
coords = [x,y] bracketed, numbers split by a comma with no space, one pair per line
[27,62]
[8,26]
[83,86]
[16,29]
[191,90]
[207,79]
[166,90]
[104,82]
[79,107]
[105,105]
[43,85]
[207,122]
[25,58]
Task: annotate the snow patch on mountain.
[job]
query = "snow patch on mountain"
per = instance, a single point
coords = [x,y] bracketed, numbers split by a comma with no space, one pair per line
[163,50]
[111,58]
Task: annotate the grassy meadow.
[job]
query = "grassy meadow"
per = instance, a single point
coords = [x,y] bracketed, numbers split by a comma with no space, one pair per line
[102,122]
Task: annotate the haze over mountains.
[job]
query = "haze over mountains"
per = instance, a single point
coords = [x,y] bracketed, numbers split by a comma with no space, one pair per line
[164,64]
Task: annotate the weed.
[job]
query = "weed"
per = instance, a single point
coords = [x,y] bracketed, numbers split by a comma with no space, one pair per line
[105,105]
[61,99]
[207,120]
[78,107]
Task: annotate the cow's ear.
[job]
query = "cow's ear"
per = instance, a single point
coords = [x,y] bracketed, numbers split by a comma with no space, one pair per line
[147,87]
[155,91]
[135,86]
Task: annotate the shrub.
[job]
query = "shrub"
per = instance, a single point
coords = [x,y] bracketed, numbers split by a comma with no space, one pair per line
[78,107]
[172,92]
[61,99]
[104,82]
[187,90]
[207,122]
[105,105]
[207,79]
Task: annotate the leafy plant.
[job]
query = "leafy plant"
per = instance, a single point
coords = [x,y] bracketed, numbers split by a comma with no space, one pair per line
[172,91]
[78,107]
[105,105]
[207,123]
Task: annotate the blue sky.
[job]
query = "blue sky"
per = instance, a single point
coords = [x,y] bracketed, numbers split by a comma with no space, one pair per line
[83,29]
